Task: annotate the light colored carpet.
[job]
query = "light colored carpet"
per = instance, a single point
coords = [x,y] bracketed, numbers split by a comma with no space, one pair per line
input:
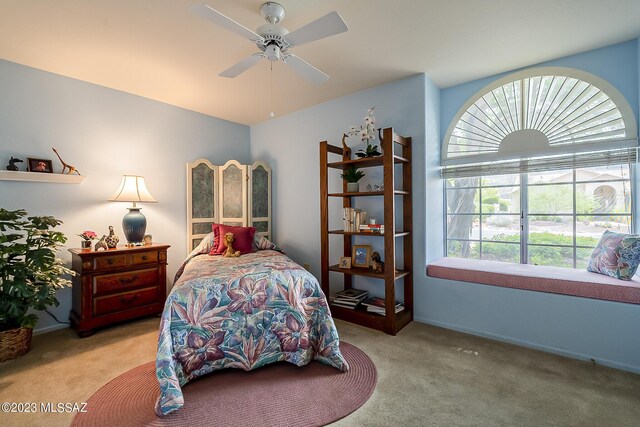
[427,376]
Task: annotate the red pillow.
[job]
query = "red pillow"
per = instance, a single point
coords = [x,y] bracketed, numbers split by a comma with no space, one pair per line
[216,238]
[243,241]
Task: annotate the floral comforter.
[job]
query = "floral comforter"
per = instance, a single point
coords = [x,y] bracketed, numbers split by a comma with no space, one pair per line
[244,313]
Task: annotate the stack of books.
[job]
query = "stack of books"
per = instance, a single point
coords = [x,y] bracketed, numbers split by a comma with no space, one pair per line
[376,305]
[352,219]
[372,228]
[350,298]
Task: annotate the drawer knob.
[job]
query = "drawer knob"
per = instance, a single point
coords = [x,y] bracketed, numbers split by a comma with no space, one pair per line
[129,299]
[144,257]
[126,281]
[110,261]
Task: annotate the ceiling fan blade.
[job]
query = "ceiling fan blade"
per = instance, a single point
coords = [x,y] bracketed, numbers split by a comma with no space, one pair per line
[328,25]
[207,12]
[242,66]
[305,69]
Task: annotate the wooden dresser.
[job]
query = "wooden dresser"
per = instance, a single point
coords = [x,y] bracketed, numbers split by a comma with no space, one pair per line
[116,285]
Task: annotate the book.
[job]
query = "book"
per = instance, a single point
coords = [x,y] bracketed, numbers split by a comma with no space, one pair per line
[338,304]
[352,294]
[378,310]
[377,302]
[348,302]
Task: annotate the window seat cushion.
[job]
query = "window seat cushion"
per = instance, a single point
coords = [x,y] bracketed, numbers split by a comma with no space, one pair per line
[567,281]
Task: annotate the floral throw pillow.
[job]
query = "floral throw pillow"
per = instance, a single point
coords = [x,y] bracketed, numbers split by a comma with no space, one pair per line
[263,243]
[617,255]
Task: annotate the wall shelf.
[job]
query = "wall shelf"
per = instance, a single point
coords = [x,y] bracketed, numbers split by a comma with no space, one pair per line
[40,177]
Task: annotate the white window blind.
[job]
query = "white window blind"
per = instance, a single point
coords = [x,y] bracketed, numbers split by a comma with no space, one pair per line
[542,164]
[540,119]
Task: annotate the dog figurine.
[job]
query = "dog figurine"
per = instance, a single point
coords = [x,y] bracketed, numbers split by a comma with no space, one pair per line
[101,243]
[230,252]
[376,263]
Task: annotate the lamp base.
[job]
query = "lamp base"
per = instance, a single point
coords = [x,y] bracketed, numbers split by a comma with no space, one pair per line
[134,224]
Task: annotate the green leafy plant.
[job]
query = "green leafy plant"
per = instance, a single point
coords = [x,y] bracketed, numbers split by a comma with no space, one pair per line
[30,272]
[352,174]
[370,151]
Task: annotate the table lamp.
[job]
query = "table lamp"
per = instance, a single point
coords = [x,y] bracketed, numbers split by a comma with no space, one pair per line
[133,189]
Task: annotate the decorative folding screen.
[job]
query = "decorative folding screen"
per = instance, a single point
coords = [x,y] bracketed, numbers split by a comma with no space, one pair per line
[232,194]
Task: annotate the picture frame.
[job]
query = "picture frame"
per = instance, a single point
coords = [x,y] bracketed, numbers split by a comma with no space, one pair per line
[345,262]
[39,165]
[361,256]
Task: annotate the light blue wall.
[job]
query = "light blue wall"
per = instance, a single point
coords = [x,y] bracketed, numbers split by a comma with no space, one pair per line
[290,144]
[105,133]
[578,327]
[583,328]
[617,64]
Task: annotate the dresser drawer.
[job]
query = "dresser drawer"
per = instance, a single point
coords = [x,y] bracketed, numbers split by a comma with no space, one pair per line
[111,261]
[114,283]
[148,257]
[125,301]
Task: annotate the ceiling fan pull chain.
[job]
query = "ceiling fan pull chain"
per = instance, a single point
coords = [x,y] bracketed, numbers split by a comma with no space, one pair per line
[271,114]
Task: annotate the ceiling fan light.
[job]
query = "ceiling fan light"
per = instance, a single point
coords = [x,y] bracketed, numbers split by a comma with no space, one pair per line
[272,52]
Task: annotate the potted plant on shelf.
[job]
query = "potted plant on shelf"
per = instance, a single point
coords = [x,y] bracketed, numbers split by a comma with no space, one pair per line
[352,175]
[366,132]
[30,274]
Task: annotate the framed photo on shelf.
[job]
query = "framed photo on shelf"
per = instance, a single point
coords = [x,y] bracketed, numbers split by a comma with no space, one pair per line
[345,262]
[39,165]
[361,256]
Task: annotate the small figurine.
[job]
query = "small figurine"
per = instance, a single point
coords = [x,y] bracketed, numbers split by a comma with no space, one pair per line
[101,243]
[12,164]
[112,240]
[376,263]
[66,166]
[230,252]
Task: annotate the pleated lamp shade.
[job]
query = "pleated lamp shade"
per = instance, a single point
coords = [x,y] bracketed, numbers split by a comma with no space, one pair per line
[133,189]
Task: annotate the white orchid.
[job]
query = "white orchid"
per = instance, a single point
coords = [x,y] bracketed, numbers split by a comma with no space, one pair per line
[367,131]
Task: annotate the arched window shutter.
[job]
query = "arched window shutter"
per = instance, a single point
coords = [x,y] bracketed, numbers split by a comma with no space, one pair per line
[540,119]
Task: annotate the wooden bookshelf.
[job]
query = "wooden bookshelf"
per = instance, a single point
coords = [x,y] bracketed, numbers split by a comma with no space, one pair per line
[391,322]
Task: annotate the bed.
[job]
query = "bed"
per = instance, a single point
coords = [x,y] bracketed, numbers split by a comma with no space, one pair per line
[242,313]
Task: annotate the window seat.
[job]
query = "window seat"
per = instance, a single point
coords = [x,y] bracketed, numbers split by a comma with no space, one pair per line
[567,281]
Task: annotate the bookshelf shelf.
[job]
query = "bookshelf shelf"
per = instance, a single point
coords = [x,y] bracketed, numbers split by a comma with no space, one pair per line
[369,193]
[392,322]
[398,233]
[365,162]
[361,316]
[365,272]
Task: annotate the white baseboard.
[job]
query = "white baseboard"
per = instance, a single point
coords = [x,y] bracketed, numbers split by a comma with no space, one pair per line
[535,346]
[46,329]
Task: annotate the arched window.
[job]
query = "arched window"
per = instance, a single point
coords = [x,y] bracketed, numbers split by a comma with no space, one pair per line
[537,166]
[540,113]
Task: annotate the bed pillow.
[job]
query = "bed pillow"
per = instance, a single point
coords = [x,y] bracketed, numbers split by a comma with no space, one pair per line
[262,243]
[207,243]
[243,238]
[617,255]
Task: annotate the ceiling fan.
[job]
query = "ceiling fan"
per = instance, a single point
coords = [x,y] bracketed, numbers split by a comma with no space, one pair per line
[274,41]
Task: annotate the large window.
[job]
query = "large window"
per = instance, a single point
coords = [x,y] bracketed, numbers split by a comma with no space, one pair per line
[548,218]
[537,165]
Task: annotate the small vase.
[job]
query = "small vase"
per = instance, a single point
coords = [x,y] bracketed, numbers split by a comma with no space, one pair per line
[353,187]
[85,244]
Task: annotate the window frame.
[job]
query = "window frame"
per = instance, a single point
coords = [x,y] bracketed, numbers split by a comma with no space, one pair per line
[524,214]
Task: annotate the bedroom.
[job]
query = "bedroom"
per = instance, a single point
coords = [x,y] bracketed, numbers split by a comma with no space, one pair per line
[65,70]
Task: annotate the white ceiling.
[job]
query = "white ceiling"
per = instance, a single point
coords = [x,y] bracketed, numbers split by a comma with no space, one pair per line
[157,49]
